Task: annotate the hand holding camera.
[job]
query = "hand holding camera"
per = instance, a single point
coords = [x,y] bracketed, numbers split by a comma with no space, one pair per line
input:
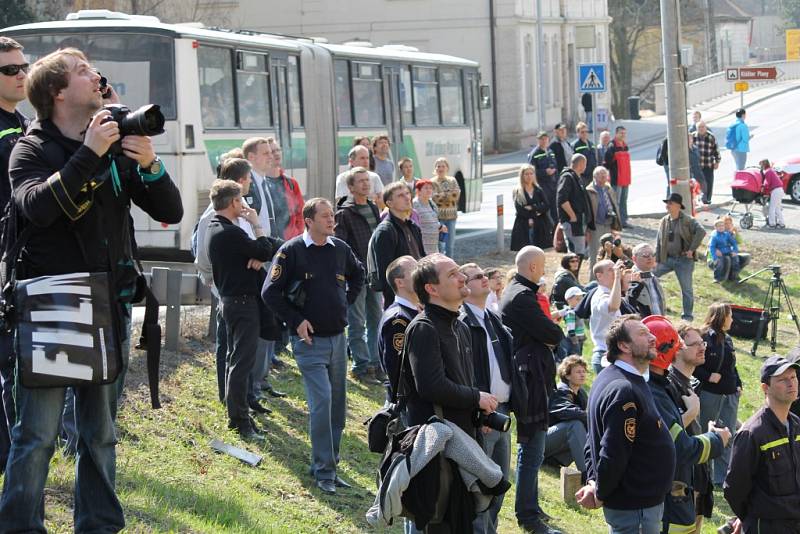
[101,133]
[487,402]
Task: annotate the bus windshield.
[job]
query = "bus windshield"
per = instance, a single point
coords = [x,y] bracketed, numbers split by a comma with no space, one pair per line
[140,67]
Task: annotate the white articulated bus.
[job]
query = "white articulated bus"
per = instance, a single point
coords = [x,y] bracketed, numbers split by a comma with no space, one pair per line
[219,87]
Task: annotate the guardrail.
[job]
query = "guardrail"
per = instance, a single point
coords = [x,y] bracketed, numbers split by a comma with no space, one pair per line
[716,85]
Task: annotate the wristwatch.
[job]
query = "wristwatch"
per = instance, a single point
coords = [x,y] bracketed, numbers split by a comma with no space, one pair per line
[154,168]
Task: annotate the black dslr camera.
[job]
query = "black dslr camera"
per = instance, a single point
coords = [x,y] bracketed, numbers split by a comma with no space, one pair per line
[495,421]
[147,120]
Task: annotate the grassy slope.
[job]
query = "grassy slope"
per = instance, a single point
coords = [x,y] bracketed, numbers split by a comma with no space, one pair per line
[169,480]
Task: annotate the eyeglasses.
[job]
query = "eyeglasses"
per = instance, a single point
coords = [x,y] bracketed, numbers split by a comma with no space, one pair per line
[645,255]
[703,344]
[13,70]
[479,276]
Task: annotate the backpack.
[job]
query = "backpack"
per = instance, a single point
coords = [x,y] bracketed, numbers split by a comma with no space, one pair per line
[730,136]
[584,307]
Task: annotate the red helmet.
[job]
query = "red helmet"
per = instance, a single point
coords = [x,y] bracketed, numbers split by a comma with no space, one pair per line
[667,340]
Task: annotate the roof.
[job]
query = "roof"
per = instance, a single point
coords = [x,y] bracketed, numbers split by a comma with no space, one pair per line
[731,10]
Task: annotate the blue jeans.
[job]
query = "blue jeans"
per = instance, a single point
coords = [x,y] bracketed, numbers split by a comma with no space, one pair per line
[726,268]
[446,246]
[684,269]
[97,508]
[740,158]
[622,202]
[723,408]
[323,365]
[258,377]
[497,446]
[565,442]
[363,317]
[597,359]
[644,520]
[529,458]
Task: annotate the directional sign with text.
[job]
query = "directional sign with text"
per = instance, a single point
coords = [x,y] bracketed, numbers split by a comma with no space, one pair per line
[758,73]
[592,78]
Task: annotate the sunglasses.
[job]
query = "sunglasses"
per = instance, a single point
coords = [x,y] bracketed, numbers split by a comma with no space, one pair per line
[13,70]
[645,255]
[479,276]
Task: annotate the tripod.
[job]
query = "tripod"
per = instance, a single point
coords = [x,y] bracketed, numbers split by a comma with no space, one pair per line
[772,307]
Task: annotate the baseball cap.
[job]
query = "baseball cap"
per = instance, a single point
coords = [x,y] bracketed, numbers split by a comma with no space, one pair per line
[574,291]
[774,366]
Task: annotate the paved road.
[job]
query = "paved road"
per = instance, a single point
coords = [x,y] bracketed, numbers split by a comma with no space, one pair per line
[774,124]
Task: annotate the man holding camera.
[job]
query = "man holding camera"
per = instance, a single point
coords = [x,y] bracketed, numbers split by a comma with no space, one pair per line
[491,354]
[77,197]
[646,293]
[13,70]
[314,278]
[534,337]
[604,211]
[762,485]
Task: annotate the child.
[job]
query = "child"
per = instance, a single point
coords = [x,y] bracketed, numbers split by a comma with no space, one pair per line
[773,188]
[744,257]
[541,297]
[576,334]
[723,254]
[496,283]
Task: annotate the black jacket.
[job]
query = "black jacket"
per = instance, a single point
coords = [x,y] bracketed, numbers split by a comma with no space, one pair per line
[12,127]
[720,358]
[563,281]
[763,480]
[558,152]
[100,239]
[389,243]
[565,405]
[521,313]
[438,351]
[480,351]
[353,228]
[536,208]
[587,150]
[571,190]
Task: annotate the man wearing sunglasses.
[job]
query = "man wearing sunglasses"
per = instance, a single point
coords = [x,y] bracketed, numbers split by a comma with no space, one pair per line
[13,70]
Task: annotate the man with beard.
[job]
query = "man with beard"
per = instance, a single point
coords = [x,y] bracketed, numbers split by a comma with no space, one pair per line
[630,457]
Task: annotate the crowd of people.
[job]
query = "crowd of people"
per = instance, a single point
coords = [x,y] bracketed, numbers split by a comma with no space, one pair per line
[458,349]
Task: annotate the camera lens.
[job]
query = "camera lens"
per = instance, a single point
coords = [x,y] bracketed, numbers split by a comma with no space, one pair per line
[147,120]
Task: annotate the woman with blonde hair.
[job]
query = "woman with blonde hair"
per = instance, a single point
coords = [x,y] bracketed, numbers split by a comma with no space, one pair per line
[446,193]
[719,380]
[532,220]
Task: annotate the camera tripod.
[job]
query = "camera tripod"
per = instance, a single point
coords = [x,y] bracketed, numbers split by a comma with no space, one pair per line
[772,307]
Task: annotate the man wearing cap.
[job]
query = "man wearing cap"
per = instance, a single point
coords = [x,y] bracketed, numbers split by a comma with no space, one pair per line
[678,237]
[763,481]
[679,512]
[560,147]
[544,162]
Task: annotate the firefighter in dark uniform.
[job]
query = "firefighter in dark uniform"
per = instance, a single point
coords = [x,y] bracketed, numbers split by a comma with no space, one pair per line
[544,161]
[395,319]
[679,514]
[763,481]
[13,71]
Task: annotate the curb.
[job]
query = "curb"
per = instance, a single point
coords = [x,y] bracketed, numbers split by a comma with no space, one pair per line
[709,207]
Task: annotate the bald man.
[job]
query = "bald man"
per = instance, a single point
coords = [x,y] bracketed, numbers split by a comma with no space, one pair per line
[534,337]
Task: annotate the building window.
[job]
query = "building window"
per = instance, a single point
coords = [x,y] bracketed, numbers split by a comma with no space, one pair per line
[546,85]
[451,89]
[529,96]
[426,96]
[215,71]
[556,73]
[368,94]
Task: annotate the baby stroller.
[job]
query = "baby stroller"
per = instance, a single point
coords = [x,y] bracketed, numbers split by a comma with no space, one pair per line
[746,188]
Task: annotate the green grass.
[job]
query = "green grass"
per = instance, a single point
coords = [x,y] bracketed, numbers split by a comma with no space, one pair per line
[169,480]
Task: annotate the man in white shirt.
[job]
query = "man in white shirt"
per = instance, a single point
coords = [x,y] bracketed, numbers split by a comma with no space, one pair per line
[359,157]
[491,353]
[605,305]
[258,151]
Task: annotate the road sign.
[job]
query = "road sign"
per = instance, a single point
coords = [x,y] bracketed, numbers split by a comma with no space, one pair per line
[758,73]
[592,78]
[731,74]
[792,44]
[741,86]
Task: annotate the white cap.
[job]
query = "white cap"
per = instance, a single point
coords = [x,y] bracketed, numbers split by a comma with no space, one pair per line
[574,291]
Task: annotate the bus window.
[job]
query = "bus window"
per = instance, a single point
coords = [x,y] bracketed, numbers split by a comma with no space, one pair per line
[342,75]
[368,94]
[140,67]
[452,97]
[216,87]
[426,96]
[406,103]
[295,101]
[252,90]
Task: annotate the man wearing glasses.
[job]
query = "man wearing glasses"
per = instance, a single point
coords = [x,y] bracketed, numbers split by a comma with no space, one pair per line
[679,235]
[646,295]
[13,70]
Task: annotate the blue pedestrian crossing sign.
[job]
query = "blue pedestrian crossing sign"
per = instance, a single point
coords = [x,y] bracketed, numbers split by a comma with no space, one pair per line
[592,78]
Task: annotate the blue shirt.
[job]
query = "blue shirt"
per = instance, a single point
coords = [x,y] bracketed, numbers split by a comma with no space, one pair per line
[722,241]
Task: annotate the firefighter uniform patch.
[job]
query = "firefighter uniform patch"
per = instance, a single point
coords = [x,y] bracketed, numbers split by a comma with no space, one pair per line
[630,429]
[277,270]
[398,340]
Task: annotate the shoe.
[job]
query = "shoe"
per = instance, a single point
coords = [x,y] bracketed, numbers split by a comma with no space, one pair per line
[717,281]
[538,526]
[327,486]
[341,483]
[247,431]
[273,392]
[781,226]
[378,374]
[257,407]
[365,379]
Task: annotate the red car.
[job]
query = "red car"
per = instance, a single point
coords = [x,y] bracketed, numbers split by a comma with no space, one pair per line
[789,171]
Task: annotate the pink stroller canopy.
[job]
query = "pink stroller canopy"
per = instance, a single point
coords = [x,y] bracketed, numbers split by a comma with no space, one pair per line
[747,179]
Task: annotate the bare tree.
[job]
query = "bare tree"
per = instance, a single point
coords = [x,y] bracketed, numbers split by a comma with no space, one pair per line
[208,12]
